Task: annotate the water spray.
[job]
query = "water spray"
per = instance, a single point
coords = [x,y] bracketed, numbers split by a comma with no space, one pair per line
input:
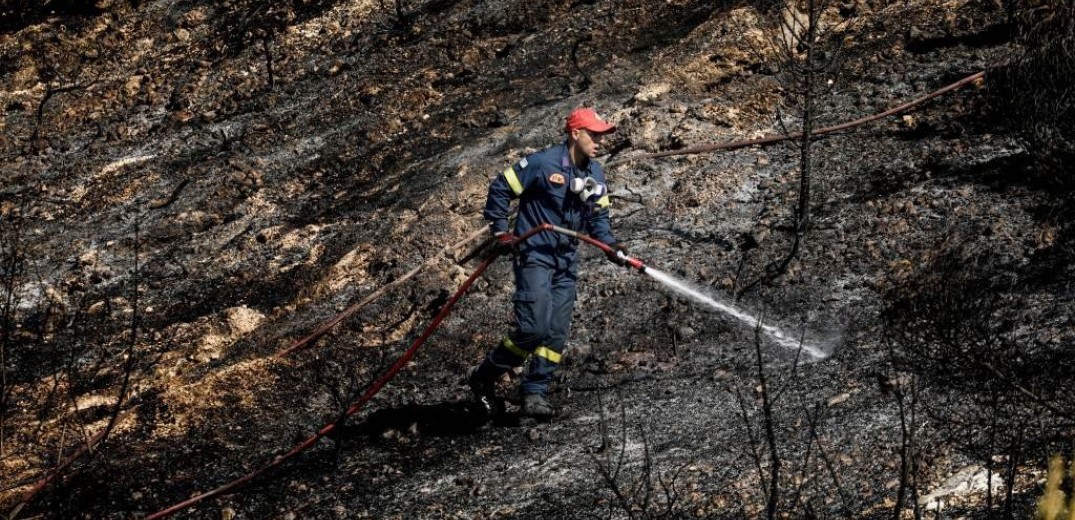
[777,335]
[404,358]
[665,279]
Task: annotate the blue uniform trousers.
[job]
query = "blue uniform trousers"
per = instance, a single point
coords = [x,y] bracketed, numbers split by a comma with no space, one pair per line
[543,302]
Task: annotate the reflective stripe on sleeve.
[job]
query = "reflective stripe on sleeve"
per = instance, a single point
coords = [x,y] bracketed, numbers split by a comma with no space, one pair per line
[603,202]
[513,181]
[510,346]
[548,354]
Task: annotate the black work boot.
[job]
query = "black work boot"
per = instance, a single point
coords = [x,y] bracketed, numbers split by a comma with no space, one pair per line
[538,407]
[484,394]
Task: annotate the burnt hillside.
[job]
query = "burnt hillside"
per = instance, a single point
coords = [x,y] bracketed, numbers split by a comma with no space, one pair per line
[190,187]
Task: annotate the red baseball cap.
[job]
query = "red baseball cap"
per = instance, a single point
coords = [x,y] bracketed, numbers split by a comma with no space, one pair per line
[588,119]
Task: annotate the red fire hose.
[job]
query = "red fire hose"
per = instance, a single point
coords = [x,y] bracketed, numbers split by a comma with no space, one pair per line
[632,262]
[409,353]
[393,370]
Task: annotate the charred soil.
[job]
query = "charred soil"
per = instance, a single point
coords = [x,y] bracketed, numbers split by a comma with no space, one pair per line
[192,186]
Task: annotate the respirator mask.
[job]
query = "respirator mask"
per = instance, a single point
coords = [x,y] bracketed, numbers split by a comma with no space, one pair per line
[588,189]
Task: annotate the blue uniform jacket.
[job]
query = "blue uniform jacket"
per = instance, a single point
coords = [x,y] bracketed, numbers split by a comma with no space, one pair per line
[541,183]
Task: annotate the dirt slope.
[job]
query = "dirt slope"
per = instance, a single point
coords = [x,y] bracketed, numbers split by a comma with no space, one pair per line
[190,186]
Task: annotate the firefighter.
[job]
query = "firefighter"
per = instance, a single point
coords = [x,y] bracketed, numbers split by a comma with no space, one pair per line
[562,185]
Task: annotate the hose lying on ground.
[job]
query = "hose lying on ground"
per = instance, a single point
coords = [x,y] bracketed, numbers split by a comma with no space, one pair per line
[353,409]
[328,325]
[388,375]
[785,137]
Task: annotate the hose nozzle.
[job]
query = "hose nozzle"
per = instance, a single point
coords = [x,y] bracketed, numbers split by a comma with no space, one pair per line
[633,262]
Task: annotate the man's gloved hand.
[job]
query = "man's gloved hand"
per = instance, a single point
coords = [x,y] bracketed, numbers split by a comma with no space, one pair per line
[612,255]
[505,242]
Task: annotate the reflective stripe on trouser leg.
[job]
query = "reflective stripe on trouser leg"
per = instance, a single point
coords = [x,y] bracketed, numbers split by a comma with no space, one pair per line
[539,371]
[508,355]
[547,356]
[532,304]
[504,357]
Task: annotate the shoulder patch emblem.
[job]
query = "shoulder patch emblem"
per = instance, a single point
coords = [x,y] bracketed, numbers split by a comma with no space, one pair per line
[522,163]
[557,178]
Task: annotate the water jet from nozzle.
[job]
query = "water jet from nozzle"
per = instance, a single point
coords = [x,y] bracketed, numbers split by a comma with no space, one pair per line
[777,335]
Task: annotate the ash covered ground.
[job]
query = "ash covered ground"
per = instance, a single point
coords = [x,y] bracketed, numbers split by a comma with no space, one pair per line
[192,186]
